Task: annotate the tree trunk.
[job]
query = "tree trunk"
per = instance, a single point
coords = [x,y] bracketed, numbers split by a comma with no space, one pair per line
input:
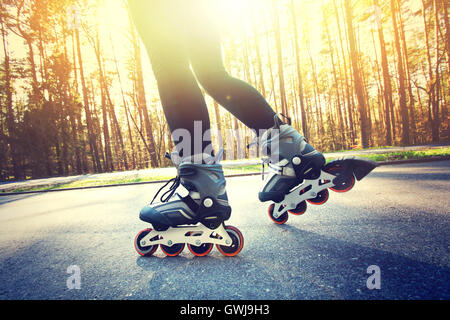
[109,166]
[125,105]
[387,93]
[437,87]
[408,78]
[447,41]
[336,83]
[91,133]
[401,76]
[141,100]
[430,87]
[276,24]
[272,80]
[364,126]
[10,121]
[380,101]
[347,85]
[259,61]
[299,73]
[76,111]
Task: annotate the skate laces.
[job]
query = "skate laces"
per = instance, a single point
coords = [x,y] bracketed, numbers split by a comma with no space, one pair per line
[264,160]
[278,121]
[174,156]
[169,193]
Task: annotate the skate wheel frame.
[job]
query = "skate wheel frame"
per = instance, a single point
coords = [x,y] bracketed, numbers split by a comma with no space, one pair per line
[321,198]
[338,175]
[199,239]
[309,189]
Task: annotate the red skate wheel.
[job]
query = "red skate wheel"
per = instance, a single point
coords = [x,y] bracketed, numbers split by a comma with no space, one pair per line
[281,219]
[346,185]
[321,198]
[299,209]
[144,251]
[173,250]
[237,242]
[201,250]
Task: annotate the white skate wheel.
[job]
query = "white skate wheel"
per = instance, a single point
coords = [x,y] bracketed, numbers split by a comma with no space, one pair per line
[296,161]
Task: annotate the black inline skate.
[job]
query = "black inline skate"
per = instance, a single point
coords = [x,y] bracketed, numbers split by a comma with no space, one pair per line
[196,219]
[298,173]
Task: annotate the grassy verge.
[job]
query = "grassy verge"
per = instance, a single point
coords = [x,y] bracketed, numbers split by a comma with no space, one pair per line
[127,180]
[244,169]
[407,155]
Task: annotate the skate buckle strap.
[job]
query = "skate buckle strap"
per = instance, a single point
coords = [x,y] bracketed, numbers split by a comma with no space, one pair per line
[275,168]
[264,161]
[282,170]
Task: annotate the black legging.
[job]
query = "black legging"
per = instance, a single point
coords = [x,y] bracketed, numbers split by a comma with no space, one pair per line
[177,35]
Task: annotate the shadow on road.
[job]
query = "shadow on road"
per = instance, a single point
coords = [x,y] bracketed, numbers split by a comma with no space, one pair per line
[307,266]
[9,199]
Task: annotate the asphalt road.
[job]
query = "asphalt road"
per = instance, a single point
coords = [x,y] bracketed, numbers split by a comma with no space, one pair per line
[397,218]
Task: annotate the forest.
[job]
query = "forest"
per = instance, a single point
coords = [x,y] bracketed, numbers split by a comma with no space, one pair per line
[78,96]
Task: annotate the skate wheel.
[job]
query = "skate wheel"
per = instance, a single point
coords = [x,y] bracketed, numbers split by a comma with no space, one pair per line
[173,250]
[321,198]
[281,219]
[299,209]
[144,251]
[346,185]
[201,250]
[236,245]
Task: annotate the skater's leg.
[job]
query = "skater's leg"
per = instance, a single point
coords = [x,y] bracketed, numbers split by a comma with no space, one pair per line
[205,209]
[237,96]
[184,106]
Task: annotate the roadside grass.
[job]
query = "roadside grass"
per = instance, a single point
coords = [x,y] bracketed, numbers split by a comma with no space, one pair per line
[407,155]
[129,180]
[164,175]
[357,148]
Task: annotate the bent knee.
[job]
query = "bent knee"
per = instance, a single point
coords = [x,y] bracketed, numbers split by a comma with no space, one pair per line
[212,80]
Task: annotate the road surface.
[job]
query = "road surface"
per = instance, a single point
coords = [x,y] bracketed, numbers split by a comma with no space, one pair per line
[396,219]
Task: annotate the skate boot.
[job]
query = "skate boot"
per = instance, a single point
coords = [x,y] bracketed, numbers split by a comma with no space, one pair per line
[194,217]
[298,173]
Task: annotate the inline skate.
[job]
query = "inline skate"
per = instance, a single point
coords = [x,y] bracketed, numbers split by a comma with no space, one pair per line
[195,218]
[298,173]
